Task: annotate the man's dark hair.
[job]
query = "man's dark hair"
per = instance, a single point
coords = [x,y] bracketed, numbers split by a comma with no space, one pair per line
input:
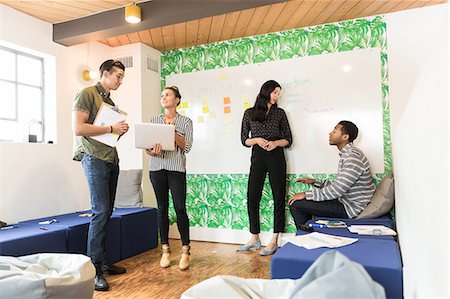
[350,129]
[109,64]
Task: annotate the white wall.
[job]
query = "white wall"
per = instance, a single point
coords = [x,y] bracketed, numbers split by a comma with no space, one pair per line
[139,97]
[151,91]
[41,179]
[38,180]
[418,93]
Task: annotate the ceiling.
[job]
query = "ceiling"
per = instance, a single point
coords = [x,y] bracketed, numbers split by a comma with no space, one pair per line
[275,17]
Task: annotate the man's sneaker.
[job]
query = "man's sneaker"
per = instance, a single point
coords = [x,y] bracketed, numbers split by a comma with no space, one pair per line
[112,270]
[100,283]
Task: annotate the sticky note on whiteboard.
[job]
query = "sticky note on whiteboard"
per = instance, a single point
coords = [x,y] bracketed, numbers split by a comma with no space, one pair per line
[226,100]
[246,105]
[226,109]
[201,119]
[205,109]
[228,120]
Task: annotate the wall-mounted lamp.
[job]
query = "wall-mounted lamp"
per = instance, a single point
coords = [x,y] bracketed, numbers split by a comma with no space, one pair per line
[88,75]
[132,13]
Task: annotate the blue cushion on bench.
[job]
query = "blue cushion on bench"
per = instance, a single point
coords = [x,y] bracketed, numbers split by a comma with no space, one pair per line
[381,259]
[28,239]
[77,231]
[130,231]
[139,230]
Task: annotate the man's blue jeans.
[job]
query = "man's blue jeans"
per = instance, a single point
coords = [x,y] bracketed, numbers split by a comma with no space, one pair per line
[102,180]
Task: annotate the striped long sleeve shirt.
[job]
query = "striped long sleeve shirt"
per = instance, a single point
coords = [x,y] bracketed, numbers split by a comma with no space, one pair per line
[174,160]
[353,185]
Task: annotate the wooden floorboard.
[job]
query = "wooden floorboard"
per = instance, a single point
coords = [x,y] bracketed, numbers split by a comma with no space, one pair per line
[145,279]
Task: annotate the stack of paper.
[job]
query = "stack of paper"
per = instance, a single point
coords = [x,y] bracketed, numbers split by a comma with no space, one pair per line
[332,223]
[108,115]
[317,240]
[373,230]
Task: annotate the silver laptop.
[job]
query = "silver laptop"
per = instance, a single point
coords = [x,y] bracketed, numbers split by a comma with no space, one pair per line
[149,134]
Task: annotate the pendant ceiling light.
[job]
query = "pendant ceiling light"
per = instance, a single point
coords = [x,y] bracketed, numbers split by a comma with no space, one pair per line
[132,13]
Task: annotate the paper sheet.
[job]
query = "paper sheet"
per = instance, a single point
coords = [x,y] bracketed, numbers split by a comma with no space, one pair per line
[373,230]
[316,240]
[107,116]
[332,223]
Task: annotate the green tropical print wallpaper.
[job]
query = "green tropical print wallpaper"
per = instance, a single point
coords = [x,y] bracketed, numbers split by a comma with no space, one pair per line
[220,201]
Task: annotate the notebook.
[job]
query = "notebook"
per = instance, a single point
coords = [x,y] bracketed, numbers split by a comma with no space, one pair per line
[149,134]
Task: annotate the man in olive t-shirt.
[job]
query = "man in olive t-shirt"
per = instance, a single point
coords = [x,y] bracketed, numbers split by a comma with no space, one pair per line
[100,162]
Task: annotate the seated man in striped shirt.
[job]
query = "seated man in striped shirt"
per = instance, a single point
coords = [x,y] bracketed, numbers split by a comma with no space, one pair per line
[344,197]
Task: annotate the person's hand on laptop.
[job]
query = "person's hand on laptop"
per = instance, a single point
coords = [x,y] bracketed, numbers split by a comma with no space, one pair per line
[155,151]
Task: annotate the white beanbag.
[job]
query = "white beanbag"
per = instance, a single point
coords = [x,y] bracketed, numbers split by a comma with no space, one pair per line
[46,275]
[331,276]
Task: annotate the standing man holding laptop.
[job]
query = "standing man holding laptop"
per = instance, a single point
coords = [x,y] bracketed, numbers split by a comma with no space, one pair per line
[168,172]
[100,162]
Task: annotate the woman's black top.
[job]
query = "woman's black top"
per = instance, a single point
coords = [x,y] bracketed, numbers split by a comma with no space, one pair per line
[274,127]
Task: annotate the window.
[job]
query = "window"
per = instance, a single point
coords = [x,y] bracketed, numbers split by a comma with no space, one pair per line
[22,96]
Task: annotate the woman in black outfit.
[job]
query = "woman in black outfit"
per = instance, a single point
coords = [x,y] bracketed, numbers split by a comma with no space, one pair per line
[270,133]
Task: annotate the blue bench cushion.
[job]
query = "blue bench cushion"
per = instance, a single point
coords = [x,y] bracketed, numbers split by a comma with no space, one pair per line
[28,239]
[139,230]
[77,230]
[130,231]
[381,259]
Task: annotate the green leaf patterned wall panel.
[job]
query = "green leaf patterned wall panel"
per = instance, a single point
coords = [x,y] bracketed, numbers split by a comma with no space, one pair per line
[384,67]
[354,34]
[290,225]
[220,200]
[193,59]
[324,39]
[240,51]
[171,64]
[199,216]
[266,48]
[240,218]
[266,218]
[239,191]
[216,56]
[294,43]
[221,218]
[378,33]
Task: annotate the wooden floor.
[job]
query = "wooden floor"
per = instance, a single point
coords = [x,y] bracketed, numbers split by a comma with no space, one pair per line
[145,279]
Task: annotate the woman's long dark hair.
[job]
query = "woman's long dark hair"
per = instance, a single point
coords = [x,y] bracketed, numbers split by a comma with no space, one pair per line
[259,111]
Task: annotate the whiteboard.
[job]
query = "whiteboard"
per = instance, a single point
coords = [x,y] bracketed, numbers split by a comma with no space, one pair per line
[317,92]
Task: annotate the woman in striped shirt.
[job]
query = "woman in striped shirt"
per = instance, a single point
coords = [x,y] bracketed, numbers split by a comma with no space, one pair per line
[168,172]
